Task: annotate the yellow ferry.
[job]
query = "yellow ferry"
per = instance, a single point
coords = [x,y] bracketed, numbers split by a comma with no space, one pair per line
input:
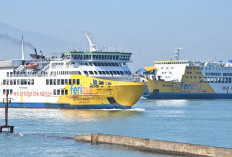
[76,79]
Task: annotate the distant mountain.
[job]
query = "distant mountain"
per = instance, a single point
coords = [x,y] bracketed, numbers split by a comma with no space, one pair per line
[10,47]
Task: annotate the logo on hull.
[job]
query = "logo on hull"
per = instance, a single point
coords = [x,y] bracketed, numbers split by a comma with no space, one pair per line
[191,86]
[79,90]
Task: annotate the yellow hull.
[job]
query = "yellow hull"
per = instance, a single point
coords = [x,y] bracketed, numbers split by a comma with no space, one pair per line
[100,93]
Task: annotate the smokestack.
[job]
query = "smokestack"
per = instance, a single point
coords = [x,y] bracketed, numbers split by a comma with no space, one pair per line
[22,50]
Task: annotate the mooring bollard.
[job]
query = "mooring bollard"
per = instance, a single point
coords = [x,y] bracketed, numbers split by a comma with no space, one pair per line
[6,117]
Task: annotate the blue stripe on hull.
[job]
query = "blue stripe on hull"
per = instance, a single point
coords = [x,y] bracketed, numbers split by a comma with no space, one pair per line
[188,96]
[67,106]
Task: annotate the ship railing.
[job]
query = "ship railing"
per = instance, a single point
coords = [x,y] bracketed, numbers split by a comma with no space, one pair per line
[29,75]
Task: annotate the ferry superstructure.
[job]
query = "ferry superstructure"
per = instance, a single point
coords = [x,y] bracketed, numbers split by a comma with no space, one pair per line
[76,79]
[188,79]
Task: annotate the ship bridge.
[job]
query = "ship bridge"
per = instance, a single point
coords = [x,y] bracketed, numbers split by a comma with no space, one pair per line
[98,56]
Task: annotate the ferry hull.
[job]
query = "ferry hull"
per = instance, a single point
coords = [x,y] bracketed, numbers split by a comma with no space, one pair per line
[188,96]
[64,106]
[105,94]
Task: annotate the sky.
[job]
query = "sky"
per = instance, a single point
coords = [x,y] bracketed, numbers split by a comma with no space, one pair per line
[150,29]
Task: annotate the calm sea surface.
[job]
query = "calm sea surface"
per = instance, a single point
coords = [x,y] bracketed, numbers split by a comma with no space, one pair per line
[205,122]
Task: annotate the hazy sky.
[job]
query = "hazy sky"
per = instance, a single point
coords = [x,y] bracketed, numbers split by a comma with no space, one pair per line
[150,29]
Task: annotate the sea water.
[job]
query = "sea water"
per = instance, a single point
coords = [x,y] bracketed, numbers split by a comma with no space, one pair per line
[204,122]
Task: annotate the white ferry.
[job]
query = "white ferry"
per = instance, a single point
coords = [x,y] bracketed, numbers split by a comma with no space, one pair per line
[188,79]
[76,79]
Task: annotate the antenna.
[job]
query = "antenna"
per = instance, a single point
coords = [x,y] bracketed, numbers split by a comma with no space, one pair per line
[177,53]
[22,49]
[78,42]
[92,47]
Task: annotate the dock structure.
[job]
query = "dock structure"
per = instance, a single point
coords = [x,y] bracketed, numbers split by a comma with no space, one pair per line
[156,146]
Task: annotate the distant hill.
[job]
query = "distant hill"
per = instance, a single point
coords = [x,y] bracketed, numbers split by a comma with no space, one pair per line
[11,49]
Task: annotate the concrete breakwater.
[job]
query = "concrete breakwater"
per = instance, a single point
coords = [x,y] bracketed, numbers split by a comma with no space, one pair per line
[157,146]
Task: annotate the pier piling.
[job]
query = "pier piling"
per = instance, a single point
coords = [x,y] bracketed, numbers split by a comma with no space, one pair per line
[10,128]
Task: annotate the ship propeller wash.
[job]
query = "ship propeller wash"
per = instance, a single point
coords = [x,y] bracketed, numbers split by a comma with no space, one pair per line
[76,79]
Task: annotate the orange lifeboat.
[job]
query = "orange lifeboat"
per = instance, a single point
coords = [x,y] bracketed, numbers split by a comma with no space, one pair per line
[31,66]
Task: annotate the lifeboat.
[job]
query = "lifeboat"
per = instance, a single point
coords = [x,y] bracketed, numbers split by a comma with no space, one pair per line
[31,66]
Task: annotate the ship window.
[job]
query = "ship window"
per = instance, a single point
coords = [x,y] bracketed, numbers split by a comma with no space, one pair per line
[118,72]
[100,72]
[86,72]
[107,72]
[14,81]
[104,73]
[101,82]
[66,81]
[62,91]
[54,81]
[4,82]
[69,81]
[29,82]
[66,92]
[47,82]
[111,72]
[54,91]
[11,91]
[114,72]
[62,81]
[108,83]
[32,81]
[58,81]
[74,81]
[58,92]
[121,72]
[95,82]
[4,91]
[18,82]
[95,72]
[78,81]
[91,72]
[50,81]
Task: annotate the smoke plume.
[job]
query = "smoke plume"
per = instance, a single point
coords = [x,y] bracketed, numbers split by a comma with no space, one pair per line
[16,41]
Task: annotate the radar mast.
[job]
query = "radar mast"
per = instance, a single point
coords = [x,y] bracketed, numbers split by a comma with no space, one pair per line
[92,47]
[177,53]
